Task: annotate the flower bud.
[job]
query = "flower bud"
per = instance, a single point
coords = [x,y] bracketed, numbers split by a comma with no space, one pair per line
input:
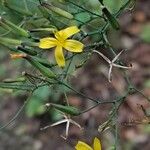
[67,109]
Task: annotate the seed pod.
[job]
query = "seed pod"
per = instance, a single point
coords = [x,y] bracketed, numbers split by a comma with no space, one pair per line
[19,79]
[8,41]
[67,109]
[44,62]
[58,11]
[112,20]
[51,30]
[17,86]
[15,29]
[30,43]
[45,71]
[27,50]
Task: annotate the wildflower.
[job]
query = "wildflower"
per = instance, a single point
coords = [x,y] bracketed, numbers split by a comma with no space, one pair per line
[66,120]
[61,41]
[112,63]
[83,146]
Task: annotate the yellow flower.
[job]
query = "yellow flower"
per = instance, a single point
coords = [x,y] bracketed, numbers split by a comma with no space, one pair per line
[61,41]
[83,146]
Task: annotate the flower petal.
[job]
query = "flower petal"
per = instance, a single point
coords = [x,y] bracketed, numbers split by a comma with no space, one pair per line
[73,46]
[82,146]
[59,56]
[66,33]
[48,42]
[97,144]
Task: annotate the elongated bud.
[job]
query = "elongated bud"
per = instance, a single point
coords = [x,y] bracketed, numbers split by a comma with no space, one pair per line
[58,11]
[15,29]
[27,50]
[52,30]
[17,86]
[8,41]
[33,61]
[66,109]
[45,71]
[19,79]
[15,42]
[29,43]
[112,20]
[44,62]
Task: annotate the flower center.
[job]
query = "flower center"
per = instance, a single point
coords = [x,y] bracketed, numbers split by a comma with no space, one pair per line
[61,42]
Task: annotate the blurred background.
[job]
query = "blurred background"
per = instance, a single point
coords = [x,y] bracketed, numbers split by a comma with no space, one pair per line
[25,134]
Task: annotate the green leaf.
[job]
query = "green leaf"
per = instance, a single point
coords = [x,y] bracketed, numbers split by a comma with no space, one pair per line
[36,103]
[42,93]
[83,17]
[55,115]
[34,107]
[145,33]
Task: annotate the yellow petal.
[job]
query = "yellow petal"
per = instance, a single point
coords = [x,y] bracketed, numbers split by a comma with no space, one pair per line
[82,146]
[73,46]
[46,43]
[59,56]
[66,33]
[97,144]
